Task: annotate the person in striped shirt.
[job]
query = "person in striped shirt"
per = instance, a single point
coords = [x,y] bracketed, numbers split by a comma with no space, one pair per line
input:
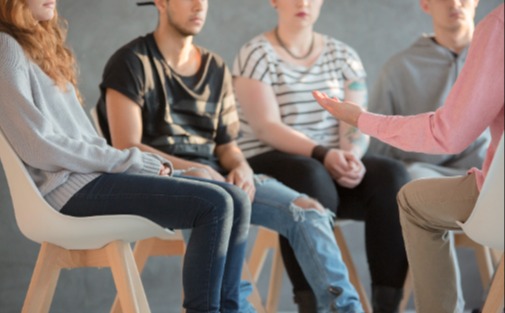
[286,134]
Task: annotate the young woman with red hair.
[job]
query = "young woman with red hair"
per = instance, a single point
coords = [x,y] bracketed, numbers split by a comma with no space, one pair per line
[80,175]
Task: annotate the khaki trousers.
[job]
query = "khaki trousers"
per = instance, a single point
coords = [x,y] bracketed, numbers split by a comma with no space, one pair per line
[429,209]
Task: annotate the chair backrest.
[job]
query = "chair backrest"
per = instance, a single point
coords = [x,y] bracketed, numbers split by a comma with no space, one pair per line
[486,223]
[93,113]
[39,222]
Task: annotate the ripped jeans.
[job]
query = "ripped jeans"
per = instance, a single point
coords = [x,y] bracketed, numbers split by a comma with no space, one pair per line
[310,234]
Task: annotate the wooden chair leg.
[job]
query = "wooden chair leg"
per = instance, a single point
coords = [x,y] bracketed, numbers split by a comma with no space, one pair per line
[267,240]
[482,255]
[353,273]
[255,297]
[44,279]
[275,284]
[127,279]
[495,299]
[153,247]
[485,264]
[117,255]
[496,256]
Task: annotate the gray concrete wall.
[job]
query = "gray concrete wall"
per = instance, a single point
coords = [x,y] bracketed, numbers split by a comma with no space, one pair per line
[375,28]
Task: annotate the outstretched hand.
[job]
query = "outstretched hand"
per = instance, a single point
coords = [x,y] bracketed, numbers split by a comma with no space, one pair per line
[344,111]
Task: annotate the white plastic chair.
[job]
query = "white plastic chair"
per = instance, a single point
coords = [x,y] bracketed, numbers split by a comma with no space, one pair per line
[70,242]
[486,225]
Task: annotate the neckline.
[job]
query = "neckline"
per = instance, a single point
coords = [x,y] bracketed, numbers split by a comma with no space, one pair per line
[288,51]
[201,69]
[429,39]
[301,67]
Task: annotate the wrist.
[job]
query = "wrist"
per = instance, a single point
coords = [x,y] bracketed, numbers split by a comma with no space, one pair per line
[319,153]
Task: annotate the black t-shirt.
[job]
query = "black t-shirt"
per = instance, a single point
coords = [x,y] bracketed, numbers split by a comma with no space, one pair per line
[182,116]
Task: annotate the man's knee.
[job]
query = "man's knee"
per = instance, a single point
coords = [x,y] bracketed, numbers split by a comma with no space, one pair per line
[307,203]
[401,199]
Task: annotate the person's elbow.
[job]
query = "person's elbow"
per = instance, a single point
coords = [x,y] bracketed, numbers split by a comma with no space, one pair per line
[124,143]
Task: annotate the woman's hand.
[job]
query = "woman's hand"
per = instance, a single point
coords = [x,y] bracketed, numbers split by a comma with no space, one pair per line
[344,111]
[165,170]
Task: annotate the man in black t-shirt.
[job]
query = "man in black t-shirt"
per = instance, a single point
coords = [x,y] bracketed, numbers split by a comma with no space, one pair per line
[165,95]
[200,112]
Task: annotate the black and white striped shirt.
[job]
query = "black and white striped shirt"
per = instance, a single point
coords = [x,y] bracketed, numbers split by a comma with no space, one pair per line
[293,86]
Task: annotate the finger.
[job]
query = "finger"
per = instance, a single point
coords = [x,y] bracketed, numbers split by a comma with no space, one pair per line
[322,98]
[347,182]
[318,95]
[230,179]
[352,175]
[165,172]
[216,176]
[251,192]
[343,167]
[242,184]
[236,179]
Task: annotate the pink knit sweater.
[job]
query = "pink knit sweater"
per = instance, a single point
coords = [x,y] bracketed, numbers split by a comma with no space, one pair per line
[475,103]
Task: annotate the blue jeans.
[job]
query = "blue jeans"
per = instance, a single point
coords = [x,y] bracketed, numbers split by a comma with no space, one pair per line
[310,233]
[219,215]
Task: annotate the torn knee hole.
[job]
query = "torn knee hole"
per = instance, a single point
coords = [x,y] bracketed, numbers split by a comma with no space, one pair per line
[308,203]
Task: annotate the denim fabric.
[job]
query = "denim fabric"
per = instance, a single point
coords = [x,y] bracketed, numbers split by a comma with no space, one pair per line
[219,215]
[310,234]
[373,201]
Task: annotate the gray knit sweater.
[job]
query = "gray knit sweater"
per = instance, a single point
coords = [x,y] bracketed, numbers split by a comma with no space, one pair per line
[51,133]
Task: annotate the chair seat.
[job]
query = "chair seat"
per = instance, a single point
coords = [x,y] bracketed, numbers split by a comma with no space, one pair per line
[79,233]
[70,242]
[39,222]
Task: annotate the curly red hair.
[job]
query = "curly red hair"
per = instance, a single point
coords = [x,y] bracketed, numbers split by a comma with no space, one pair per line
[43,42]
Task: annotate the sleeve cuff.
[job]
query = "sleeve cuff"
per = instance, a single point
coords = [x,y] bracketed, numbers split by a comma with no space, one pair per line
[153,163]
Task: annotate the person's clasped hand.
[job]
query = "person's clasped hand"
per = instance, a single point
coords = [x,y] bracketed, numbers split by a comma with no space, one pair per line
[345,168]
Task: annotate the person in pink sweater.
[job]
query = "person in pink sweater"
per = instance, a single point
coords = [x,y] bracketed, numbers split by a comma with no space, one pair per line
[429,208]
